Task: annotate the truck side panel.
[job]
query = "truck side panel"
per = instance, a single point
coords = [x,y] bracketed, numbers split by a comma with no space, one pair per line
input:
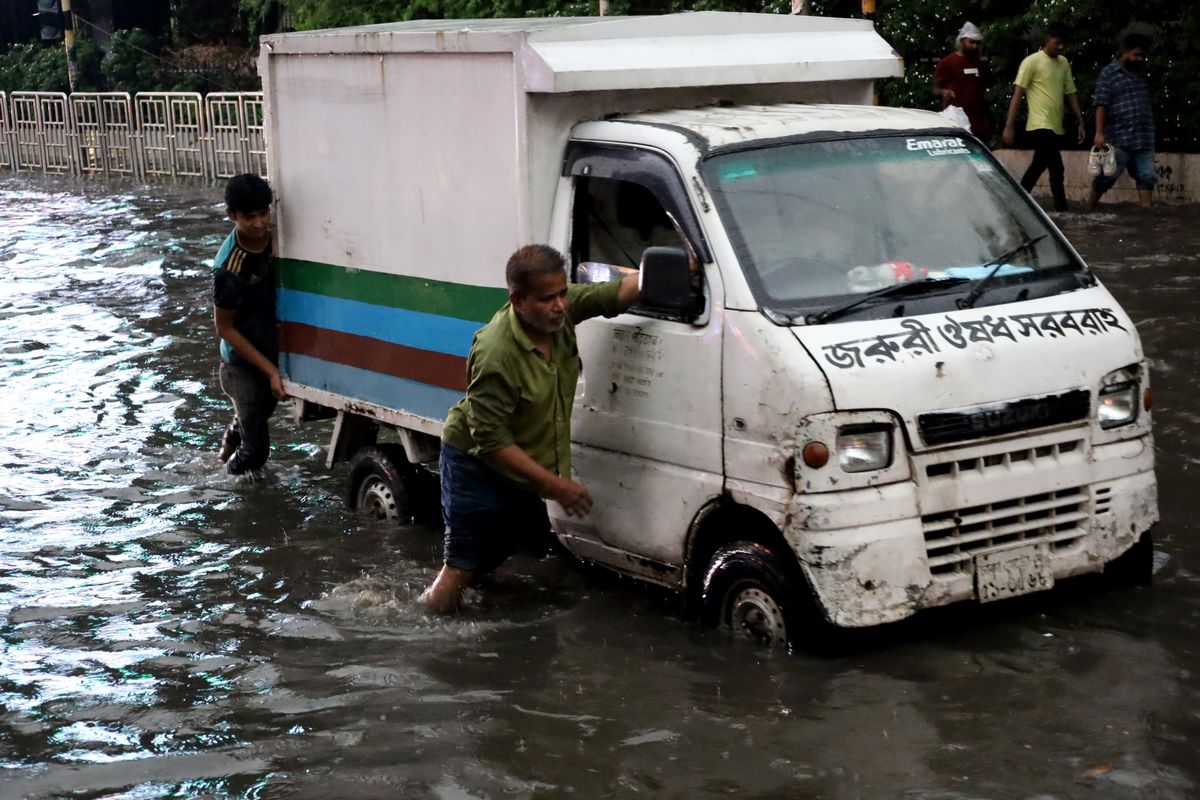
[389,207]
[397,163]
[390,340]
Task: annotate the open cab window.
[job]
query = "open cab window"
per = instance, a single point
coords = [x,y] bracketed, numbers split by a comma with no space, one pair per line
[616,222]
[625,201]
[623,219]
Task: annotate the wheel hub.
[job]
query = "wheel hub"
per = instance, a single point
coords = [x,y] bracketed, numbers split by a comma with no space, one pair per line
[756,613]
[378,500]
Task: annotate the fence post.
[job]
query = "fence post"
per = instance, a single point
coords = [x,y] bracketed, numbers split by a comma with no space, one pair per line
[6,143]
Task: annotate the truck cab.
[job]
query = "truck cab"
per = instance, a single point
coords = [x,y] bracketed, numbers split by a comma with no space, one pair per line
[895,384]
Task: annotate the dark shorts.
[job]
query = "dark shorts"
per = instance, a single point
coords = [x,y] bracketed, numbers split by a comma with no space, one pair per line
[487,518]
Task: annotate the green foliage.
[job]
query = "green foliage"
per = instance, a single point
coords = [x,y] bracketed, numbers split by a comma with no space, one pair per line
[37,67]
[191,82]
[88,75]
[199,21]
[256,14]
[33,68]
[131,65]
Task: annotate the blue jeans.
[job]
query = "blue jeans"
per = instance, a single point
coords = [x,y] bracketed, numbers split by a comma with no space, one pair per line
[1139,163]
[487,517]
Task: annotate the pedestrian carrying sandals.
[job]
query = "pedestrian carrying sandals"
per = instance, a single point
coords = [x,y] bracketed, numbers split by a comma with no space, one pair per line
[1102,161]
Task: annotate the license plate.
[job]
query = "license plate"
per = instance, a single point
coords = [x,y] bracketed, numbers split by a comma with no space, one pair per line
[1016,570]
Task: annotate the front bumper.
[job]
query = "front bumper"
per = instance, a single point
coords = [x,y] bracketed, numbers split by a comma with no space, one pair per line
[880,554]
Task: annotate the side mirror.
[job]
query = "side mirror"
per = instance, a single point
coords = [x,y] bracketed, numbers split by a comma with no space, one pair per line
[665,278]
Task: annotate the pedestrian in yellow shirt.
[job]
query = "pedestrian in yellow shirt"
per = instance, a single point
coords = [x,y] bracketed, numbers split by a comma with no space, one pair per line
[1044,80]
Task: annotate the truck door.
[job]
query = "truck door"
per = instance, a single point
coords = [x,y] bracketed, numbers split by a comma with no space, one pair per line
[647,420]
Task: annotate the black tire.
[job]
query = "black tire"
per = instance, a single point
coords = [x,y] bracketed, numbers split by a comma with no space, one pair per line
[386,486]
[752,593]
[1134,567]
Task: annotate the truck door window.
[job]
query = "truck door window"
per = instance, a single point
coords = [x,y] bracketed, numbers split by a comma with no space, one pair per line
[623,219]
[626,199]
[614,222]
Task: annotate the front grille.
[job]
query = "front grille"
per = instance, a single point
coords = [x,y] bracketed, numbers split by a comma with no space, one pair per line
[1038,456]
[952,538]
[944,427]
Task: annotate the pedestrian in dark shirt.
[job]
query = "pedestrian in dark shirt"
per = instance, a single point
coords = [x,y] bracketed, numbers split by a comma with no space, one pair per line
[244,313]
[960,79]
[1125,120]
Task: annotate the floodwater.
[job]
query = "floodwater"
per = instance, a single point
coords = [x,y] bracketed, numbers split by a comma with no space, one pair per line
[169,631]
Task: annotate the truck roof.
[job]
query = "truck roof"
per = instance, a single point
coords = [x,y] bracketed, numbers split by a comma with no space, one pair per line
[720,126]
[573,54]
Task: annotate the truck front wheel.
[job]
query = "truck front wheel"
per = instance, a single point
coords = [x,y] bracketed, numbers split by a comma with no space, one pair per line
[746,590]
[385,485]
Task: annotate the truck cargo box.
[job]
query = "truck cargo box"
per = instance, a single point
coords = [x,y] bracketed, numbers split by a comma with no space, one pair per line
[411,159]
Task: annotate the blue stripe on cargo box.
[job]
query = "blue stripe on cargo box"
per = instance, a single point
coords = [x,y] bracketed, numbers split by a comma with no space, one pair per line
[386,323]
[422,399]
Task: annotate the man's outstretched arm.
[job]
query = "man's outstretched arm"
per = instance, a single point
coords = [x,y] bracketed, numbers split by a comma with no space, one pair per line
[569,494]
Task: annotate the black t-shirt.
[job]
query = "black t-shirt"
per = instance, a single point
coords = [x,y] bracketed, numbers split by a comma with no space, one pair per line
[243,282]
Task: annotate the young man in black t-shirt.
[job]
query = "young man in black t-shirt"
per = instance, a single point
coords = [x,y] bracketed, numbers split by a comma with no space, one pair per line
[244,313]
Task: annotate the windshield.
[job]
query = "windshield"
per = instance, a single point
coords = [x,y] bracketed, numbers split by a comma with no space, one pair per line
[815,223]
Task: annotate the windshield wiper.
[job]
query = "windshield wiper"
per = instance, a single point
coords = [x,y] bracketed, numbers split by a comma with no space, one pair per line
[886,291]
[996,263]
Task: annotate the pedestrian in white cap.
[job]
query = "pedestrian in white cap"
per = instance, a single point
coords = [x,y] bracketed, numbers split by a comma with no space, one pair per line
[961,79]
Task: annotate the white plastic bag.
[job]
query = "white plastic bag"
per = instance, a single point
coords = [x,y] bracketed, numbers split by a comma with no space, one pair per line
[957,117]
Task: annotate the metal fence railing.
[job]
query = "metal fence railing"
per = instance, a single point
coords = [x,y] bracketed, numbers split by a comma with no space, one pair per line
[235,125]
[176,134]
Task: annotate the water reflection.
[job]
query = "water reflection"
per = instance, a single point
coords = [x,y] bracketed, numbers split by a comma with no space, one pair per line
[169,631]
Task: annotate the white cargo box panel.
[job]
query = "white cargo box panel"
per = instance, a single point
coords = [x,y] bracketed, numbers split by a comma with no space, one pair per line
[411,159]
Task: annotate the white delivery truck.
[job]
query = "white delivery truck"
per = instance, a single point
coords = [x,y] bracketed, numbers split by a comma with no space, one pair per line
[891,383]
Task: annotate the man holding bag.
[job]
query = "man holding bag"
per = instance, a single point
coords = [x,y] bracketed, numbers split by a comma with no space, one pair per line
[961,80]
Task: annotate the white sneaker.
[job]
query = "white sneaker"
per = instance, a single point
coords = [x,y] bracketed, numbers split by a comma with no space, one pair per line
[1108,163]
[1096,161]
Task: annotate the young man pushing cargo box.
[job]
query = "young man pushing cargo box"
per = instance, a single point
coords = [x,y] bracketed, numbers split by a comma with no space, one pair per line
[244,316]
[507,444]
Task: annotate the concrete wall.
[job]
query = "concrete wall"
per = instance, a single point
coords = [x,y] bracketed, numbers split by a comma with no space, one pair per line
[1178,177]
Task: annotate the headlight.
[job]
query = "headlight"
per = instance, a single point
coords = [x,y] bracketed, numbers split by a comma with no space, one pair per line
[864,448]
[1117,405]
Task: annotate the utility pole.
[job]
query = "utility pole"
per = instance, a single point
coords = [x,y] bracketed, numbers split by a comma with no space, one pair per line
[69,43]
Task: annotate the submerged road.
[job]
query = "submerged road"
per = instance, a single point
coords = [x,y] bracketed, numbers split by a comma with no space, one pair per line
[168,631]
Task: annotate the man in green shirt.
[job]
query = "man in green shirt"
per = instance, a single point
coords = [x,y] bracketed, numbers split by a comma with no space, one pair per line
[507,444]
[1044,80]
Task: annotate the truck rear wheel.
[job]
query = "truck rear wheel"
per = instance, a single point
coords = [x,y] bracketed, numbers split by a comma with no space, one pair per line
[386,486]
[747,590]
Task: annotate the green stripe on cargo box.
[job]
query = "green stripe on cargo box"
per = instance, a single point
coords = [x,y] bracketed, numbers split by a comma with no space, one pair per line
[459,300]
